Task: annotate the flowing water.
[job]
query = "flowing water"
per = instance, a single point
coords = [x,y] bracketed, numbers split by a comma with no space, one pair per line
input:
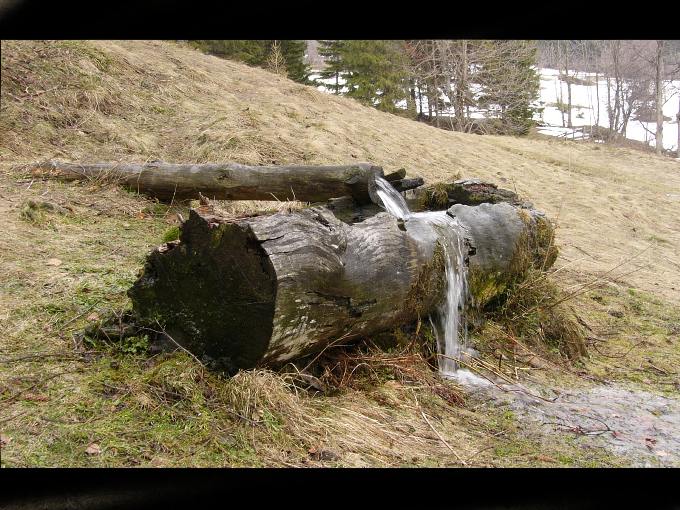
[634,424]
[391,199]
[449,320]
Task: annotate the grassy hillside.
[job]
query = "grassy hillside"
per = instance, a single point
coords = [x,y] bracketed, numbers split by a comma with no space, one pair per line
[93,101]
[65,267]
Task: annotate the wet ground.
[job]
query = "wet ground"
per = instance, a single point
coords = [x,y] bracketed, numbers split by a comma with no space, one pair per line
[640,426]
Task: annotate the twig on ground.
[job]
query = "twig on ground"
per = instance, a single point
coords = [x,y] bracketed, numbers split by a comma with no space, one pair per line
[163,332]
[616,356]
[42,381]
[5,420]
[66,356]
[435,431]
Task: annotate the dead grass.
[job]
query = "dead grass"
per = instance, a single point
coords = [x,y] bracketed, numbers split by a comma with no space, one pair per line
[138,101]
[58,399]
[538,311]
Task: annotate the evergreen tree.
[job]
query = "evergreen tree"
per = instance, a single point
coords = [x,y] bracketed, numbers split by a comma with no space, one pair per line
[376,72]
[250,51]
[510,84]
[258,52]
[293,52]
[331,51]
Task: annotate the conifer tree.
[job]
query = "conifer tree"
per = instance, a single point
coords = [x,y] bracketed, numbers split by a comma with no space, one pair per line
[331,51]
[376,72]
[257,53]
[251,51]
[293,52]
[510,83]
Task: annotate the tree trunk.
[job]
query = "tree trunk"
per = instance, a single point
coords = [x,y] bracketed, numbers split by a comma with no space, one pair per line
[231,181]
[597,99]
[269,289]
[566,72]
[439,197]
[560,100]
[569,123]
[677,119]
[659,97]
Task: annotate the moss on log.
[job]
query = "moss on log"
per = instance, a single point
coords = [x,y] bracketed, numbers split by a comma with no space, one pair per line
[266,290]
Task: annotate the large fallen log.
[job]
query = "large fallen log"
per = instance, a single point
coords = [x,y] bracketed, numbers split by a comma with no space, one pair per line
[232,181]
[268,289]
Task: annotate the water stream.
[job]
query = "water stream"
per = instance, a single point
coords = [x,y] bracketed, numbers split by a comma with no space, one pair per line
[448,321]
[644,425]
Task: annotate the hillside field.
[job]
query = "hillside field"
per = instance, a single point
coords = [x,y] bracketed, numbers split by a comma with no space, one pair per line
[67,404]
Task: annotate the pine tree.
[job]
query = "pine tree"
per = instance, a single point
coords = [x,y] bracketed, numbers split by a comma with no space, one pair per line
[257,53]
[331,51]
[376,72]
[510,84]
[250,51]
[293,52]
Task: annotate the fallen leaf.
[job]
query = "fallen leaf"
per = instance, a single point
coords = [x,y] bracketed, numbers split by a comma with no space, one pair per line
[4,440]
[93,449]
[35,397]
[54,262]
[545,458]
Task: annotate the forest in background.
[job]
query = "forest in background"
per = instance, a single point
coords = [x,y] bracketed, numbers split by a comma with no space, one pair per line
[479,86]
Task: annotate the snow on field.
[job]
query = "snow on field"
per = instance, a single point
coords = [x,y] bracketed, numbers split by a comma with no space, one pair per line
[584,111]
[585,100]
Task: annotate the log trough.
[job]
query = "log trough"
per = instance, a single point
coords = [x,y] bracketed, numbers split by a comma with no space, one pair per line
[269,289]
[265,290]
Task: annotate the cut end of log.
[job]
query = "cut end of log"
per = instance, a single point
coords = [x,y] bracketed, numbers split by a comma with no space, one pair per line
[221,304]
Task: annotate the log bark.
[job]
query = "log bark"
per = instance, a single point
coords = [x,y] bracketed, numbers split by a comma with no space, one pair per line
[231,181]
[269,289]
[465,191]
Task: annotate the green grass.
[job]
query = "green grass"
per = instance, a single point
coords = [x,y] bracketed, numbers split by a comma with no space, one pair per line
[640,344]
[166,410]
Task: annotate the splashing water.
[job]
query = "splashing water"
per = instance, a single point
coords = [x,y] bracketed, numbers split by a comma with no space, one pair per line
[449,320]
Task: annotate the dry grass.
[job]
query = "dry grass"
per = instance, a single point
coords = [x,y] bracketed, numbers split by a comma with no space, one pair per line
[138,101]
[56,399]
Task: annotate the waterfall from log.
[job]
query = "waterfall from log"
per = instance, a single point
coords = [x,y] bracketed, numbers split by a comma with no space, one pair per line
[391,199]
[449,320]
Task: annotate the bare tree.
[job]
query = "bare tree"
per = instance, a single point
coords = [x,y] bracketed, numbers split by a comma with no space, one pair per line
[658,84]
[275,61]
